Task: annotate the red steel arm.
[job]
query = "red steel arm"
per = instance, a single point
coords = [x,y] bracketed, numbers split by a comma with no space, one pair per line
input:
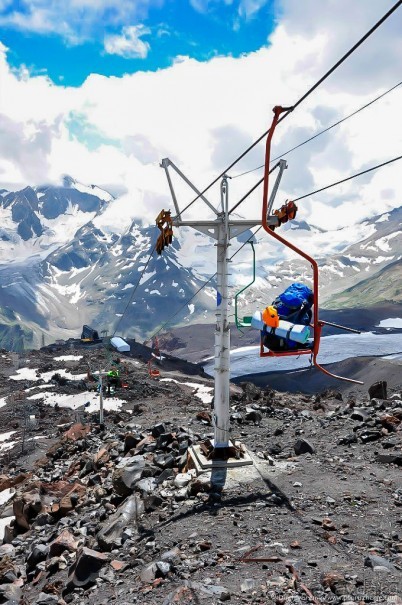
[317,324]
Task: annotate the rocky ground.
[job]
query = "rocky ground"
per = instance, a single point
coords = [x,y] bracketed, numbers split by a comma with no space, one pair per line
[117,513]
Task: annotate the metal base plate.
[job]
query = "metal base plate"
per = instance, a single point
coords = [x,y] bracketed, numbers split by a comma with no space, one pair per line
[202,463]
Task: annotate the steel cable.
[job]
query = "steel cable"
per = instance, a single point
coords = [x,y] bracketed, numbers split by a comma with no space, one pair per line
[349,178]
[315,136]
[135,289]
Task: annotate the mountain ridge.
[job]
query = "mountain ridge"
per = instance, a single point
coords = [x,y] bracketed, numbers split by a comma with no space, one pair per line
[87,271]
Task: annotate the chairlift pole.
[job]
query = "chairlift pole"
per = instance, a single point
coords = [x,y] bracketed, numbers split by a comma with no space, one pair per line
[222,229]
[222,329]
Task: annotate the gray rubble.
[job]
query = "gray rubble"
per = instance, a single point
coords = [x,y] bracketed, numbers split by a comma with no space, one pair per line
[119,514]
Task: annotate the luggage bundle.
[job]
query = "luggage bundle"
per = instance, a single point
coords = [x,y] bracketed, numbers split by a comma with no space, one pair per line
[285,323]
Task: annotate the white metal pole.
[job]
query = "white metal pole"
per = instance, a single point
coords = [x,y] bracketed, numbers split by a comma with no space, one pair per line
[100,398]
[222,332]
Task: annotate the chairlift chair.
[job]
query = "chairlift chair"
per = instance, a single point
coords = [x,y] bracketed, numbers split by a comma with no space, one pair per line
[152,371]
[317,324]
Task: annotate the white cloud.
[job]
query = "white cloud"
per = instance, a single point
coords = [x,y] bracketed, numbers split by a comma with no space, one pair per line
[202,115]
[129,44]
[245,9]
[74,20]
[25,147]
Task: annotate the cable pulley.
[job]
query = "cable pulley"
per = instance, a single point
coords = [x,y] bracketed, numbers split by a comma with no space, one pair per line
[165,225]
[285,213]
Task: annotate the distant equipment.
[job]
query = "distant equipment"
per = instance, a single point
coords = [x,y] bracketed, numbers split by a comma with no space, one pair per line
[89,335]
[119,344]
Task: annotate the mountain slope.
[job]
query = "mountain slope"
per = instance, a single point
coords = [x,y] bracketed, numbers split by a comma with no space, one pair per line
[353,254]
[383,286]
[74,255]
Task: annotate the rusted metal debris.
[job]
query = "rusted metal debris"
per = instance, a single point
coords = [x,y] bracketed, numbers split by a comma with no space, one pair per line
[276,559]
[301,585]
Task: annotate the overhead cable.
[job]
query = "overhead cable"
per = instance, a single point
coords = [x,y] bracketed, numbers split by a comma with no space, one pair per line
[304,97]
[349,178]
[182,307]
[315,136]
[135,289]
[345,56]
[250,191]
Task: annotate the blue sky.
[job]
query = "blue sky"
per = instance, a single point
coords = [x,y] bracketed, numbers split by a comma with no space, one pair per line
[70,43]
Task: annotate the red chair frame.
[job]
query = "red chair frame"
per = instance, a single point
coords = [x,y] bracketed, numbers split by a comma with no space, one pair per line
[317,324]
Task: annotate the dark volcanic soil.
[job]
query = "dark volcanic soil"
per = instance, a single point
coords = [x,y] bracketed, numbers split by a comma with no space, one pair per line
[118,515]
[312,381]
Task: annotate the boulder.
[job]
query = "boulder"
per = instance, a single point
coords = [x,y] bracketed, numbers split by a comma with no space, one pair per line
[165,461]
[70,494]
[158,429]
[360,414]
[112,530]
[127,473]
[25,508]
[76,432]
[101,457]
[8,571]
[146,485]
[374,561]
[7,549]
[378,390]
[130,442]
[182,480]
[148,573]
[302,446]
[64,541]
[393,458]
[10,594]
[39,552]
[7,482]
[86,568]
[253,416]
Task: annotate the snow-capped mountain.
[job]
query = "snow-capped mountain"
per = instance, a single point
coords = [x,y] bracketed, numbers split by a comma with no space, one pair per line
[346,258]
[369,270]
[72,255]
[50,287]
[36,220]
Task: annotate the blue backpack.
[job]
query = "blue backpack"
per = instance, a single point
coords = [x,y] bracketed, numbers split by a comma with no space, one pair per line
[293,305]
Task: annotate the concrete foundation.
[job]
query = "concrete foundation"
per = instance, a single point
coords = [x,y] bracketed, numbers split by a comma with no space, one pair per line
[202,463]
